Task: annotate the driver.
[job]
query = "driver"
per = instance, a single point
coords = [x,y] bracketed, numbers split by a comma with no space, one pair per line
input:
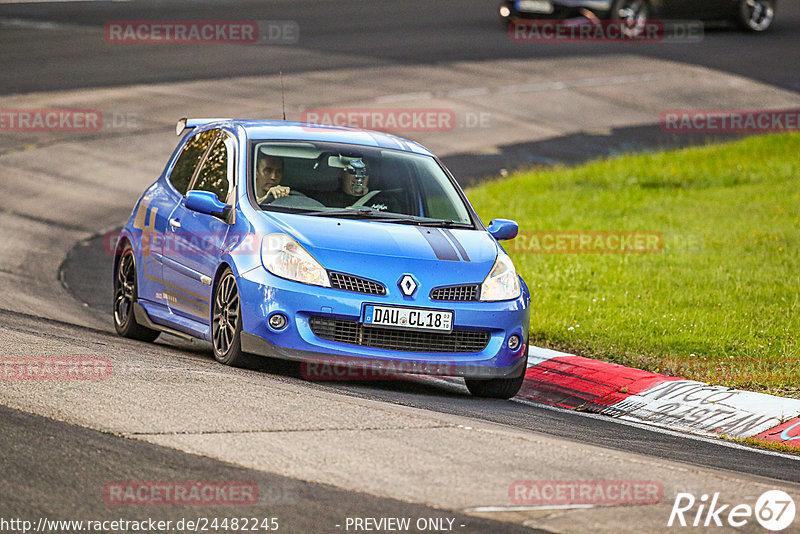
[269,173]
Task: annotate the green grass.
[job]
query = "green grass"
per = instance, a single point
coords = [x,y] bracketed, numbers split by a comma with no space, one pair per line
[719,303]
[767,445]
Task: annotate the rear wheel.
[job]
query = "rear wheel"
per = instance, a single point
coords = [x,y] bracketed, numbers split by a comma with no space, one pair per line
[756,15]
[226,323]
[125,295]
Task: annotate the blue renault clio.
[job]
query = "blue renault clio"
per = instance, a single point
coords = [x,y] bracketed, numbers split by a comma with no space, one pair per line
[322,244]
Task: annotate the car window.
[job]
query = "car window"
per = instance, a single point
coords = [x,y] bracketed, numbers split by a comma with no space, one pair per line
[328,177]
[184,167]
[441,201]
[213,174]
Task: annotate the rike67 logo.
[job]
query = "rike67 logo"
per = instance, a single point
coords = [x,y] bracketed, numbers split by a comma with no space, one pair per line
[774,510]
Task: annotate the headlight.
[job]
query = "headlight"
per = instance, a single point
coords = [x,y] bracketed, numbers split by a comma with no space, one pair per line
[284,257]
[502,282]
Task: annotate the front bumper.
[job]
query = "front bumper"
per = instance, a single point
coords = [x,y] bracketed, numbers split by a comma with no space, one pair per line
[383,367]
[263,295]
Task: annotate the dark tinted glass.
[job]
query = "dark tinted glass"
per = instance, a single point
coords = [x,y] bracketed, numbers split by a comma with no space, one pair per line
[187,162]
[213,174]
[322,177]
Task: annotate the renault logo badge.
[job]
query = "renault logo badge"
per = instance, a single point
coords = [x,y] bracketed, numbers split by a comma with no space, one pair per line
[407,285]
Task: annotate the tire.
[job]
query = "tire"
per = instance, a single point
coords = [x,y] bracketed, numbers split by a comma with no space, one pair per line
[756,15]
[497,388]
[634,14]
[226,323]
[126,293]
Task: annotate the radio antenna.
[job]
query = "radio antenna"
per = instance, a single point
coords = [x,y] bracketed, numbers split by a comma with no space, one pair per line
[283,96]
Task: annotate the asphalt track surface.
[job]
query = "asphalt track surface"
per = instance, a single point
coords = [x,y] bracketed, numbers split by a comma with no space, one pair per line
[95,456]
[53,47]
[49,467]
[85,272]
[356,32]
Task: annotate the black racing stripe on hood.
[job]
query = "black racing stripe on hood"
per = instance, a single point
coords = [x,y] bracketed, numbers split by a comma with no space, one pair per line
[439,243]
[458,245]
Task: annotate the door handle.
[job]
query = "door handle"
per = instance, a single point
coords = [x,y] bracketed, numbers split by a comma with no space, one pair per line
[175,223]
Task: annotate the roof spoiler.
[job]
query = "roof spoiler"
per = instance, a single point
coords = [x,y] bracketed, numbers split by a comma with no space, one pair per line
[184,123]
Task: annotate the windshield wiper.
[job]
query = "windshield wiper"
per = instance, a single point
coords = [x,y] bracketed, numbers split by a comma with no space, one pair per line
[368,213]
[363,212]
[442,222]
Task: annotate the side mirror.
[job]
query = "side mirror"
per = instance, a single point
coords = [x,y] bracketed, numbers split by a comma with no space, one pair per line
[503,229]
[208,203]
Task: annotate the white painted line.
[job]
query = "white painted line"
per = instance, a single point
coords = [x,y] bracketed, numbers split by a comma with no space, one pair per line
[701,408]
[400,97]
[528,508]
[537,355]
[474,91]
[659,430]
[55,1]
[691,406]
[526,88]
[32,24]
[583,82]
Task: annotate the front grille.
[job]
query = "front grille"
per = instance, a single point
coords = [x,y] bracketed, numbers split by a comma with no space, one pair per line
[353,333]
[348,282]
[461,293]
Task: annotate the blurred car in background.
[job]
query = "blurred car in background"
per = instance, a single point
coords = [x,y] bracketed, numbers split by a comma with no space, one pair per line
[751,15]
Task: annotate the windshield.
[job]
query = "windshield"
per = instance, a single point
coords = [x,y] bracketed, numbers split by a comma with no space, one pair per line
[340,180]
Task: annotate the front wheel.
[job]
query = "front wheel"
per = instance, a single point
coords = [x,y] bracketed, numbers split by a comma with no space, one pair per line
[226,323]
[756,15]
[125,295]
[496,388]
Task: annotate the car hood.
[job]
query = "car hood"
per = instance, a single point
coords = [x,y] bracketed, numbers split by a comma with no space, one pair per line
[385,250]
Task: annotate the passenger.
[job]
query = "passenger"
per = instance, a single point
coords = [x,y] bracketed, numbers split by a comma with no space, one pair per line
[353,181]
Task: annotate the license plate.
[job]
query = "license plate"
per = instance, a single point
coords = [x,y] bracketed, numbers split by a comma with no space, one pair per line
[535,6]
[411,318]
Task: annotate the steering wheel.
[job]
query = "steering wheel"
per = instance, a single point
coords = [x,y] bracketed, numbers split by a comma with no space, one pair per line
[296,199]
